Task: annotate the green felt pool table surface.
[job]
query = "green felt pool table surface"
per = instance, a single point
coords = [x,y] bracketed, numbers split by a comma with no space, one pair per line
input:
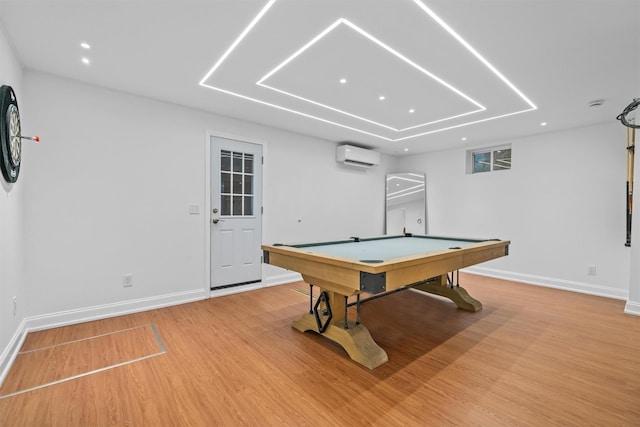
[387,247]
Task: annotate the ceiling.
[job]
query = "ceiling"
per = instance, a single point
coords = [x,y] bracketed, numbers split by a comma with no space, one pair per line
[451,73]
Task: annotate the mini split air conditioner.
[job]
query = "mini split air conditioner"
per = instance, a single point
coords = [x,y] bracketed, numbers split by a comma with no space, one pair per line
[356,156]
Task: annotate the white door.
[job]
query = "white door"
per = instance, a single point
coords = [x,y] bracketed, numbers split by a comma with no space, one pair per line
[236,212]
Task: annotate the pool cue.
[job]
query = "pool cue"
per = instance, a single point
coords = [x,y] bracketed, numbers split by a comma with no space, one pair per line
[630,167]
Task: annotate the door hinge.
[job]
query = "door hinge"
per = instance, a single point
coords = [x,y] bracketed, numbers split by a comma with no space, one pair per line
[262,210]
[262,159]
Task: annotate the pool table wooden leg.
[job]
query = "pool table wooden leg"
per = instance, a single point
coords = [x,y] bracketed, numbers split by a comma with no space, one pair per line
[356,339]
[457,294]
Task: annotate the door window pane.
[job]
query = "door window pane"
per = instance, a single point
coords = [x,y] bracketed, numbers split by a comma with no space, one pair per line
[237,205]
[225,182]
[237,162]
[248,205]
[225,205]
[248,163]
[225,160]
[237,183]
[248,184]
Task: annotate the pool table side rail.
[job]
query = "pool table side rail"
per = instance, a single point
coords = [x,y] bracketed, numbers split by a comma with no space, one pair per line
[345,272]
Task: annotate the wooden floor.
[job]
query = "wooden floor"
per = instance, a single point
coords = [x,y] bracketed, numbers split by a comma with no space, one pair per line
[533,356]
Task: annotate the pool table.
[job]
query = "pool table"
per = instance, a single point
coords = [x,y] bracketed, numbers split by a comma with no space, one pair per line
[376,266]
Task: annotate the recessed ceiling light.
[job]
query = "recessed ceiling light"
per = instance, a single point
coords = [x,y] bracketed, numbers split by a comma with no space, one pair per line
[406,149]
[381,98]
[412,111]
[85,45]
[543,124]
[85,61]
[343,80]
[464,138]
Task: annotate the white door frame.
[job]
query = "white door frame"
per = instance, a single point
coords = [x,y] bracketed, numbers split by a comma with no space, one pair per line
[207,214]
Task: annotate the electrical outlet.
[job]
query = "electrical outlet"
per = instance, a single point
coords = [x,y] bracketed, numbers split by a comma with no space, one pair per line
[127,280]
[15,306]
[591,270]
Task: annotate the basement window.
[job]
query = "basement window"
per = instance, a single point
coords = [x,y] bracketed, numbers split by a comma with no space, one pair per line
[489,159]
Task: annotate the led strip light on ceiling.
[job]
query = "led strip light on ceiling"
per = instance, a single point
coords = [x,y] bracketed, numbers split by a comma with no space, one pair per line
[430,13]
[359,30]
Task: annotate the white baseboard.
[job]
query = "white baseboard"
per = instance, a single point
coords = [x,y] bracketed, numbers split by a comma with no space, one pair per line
[234,290]
[632,308]
[11,351]
[272,280]
[70,317]
[281,279]
[550,282]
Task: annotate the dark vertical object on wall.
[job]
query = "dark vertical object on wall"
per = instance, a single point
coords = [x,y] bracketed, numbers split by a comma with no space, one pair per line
[10,141]
[11,135]
[631,144]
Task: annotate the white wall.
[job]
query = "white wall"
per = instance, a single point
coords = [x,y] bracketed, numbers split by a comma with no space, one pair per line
[111,184]
[311,197]
[11,226]
[562,205]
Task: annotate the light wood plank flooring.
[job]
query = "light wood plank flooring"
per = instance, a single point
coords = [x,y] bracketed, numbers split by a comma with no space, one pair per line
[533,356]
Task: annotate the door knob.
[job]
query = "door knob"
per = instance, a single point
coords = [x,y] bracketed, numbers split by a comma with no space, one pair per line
[215,220]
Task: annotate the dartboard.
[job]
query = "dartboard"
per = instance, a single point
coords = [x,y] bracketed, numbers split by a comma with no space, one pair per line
[10,135]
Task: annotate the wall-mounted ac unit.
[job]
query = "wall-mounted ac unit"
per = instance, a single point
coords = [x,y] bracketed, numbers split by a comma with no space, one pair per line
[356,156]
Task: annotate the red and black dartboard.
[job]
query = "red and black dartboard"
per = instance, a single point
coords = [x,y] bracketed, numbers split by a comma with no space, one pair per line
[10,135]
